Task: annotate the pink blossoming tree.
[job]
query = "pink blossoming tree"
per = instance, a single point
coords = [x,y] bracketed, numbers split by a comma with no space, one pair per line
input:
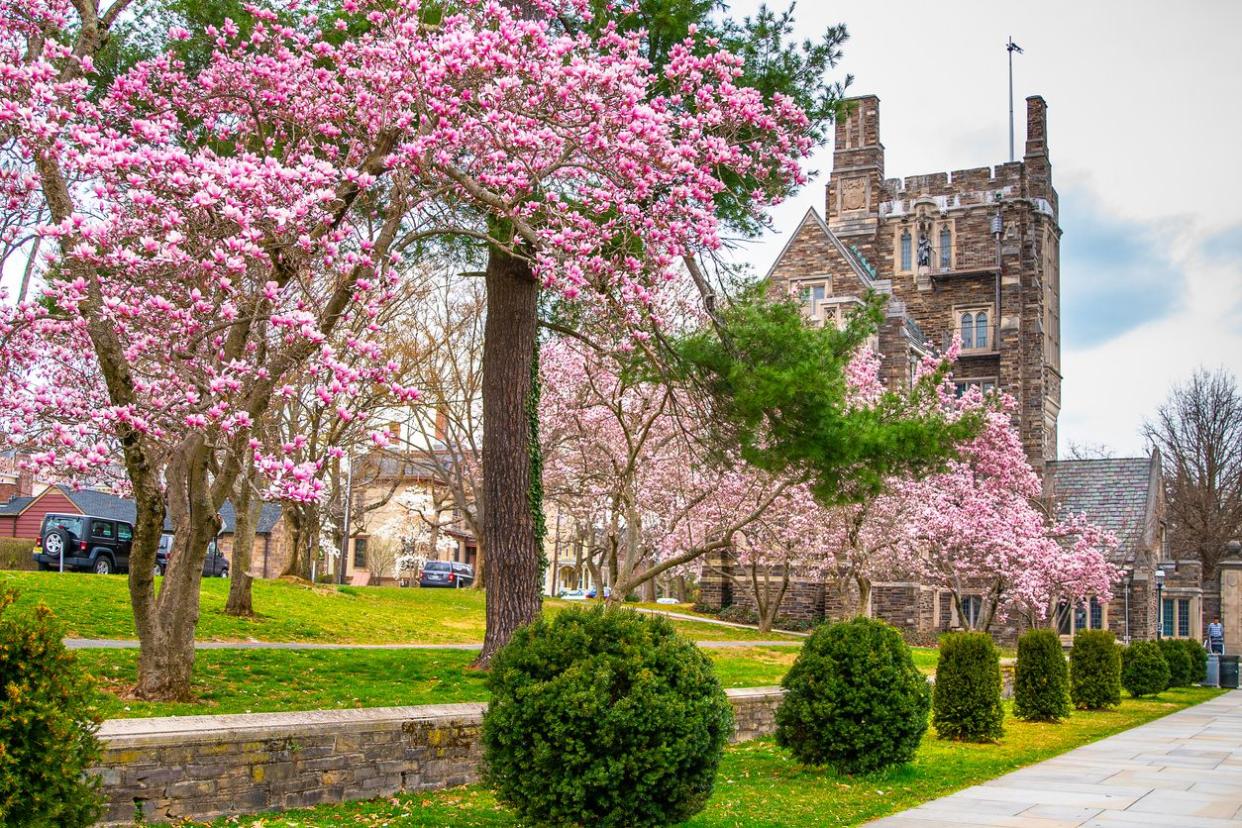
[212,228]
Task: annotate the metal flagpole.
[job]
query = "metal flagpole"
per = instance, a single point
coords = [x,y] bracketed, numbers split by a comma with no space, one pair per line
[1011,47]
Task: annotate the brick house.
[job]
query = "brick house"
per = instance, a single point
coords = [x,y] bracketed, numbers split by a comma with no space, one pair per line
[22,517]
[973,252]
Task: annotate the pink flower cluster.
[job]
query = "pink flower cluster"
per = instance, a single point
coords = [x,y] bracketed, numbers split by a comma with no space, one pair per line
[216,228]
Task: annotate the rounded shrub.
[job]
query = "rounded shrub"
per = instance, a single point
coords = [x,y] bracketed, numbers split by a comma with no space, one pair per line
[853,699]
[604,717]
[966,703]
[1144,672]
[1181,668]
[1041,678]
[48,719]
[1095,670]
[1198,660]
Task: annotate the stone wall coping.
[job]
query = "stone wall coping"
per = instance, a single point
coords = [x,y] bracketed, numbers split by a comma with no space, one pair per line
[189,730]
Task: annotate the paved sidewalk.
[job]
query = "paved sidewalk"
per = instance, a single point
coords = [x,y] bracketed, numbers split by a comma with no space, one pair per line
[132,644]
[1184,770]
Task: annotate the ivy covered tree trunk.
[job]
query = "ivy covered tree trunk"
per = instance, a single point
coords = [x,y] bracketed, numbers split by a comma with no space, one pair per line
[509,525]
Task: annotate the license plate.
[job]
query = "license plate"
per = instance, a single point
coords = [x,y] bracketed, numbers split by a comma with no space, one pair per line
[38,550]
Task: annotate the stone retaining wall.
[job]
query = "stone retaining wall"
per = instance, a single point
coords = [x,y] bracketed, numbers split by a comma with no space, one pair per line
[207,766]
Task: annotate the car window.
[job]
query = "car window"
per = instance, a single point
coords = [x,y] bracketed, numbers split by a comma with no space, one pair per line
[103,529]
[462,568]
[72,524]
[165,542]
[124,532]
[437,566]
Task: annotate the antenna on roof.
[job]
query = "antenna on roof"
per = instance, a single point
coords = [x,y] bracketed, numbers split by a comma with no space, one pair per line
[1011,47]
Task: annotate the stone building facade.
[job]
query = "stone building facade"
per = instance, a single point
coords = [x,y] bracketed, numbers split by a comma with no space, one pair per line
[973,253]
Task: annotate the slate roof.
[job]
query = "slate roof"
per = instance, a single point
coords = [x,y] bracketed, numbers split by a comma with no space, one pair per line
[108,505]
[1113,493]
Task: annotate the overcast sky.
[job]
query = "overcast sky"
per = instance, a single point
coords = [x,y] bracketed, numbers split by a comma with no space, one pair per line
[1145,134]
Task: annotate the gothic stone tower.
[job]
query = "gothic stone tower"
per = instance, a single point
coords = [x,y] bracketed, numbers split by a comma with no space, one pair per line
[931,241]
[973,252]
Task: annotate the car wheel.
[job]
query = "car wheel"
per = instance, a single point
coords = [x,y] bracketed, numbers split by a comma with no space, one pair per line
[55,542]
[157,572]
[103,565]
[224,573]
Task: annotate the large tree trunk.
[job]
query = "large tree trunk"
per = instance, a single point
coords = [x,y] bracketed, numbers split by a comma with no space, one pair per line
[513,594]
[166,625]
[246,509]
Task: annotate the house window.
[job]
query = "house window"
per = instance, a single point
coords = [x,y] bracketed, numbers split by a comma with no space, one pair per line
[907,251]
[360,553]
[946,248]
[987,386]
[973,328]
[1183,617]
[972,608]
[811,295]
[1065,624]
[1166,618]
[1070,619]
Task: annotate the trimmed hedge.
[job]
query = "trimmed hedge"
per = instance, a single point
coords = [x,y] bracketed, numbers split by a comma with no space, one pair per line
[1181,668]
[966,704]
[1041,678]
[1198,660]
[603,716]
[1095,670]
[1144,672]
[853,699]
[48,719]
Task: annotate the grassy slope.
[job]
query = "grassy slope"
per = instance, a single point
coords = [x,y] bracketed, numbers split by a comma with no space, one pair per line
[94,606]
[253,681]
[760,787]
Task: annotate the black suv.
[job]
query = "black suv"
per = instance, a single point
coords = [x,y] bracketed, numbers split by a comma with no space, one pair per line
[215,565]
[445,574]
[87,542]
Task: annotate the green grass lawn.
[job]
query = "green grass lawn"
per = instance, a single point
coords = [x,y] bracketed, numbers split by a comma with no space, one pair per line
[97,606]
[254,681]
[759,786]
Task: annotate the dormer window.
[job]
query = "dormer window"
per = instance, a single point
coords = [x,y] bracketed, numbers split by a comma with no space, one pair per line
[907,250]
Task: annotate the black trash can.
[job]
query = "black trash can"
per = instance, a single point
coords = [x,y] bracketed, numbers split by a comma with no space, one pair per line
[1229,672]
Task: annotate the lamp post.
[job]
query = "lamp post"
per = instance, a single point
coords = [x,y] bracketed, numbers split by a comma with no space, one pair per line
[1159,603]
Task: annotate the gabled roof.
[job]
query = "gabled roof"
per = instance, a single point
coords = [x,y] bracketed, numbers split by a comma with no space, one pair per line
[1118,494]
[812,221]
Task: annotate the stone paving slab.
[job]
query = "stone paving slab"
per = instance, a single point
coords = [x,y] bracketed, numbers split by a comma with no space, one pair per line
[1182,771]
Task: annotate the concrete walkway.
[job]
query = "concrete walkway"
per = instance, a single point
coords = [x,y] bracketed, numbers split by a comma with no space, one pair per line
[1184,770]
[132,644]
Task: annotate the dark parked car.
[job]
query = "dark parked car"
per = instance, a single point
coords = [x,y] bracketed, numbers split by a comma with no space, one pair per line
[85,542]
[445,574]
[215,565]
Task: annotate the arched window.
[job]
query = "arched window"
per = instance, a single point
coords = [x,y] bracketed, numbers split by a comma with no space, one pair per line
[981,329]
[907,251]
[946,248]
[968,330]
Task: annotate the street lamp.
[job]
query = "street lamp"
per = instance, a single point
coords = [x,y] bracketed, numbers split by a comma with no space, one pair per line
[1159,603]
